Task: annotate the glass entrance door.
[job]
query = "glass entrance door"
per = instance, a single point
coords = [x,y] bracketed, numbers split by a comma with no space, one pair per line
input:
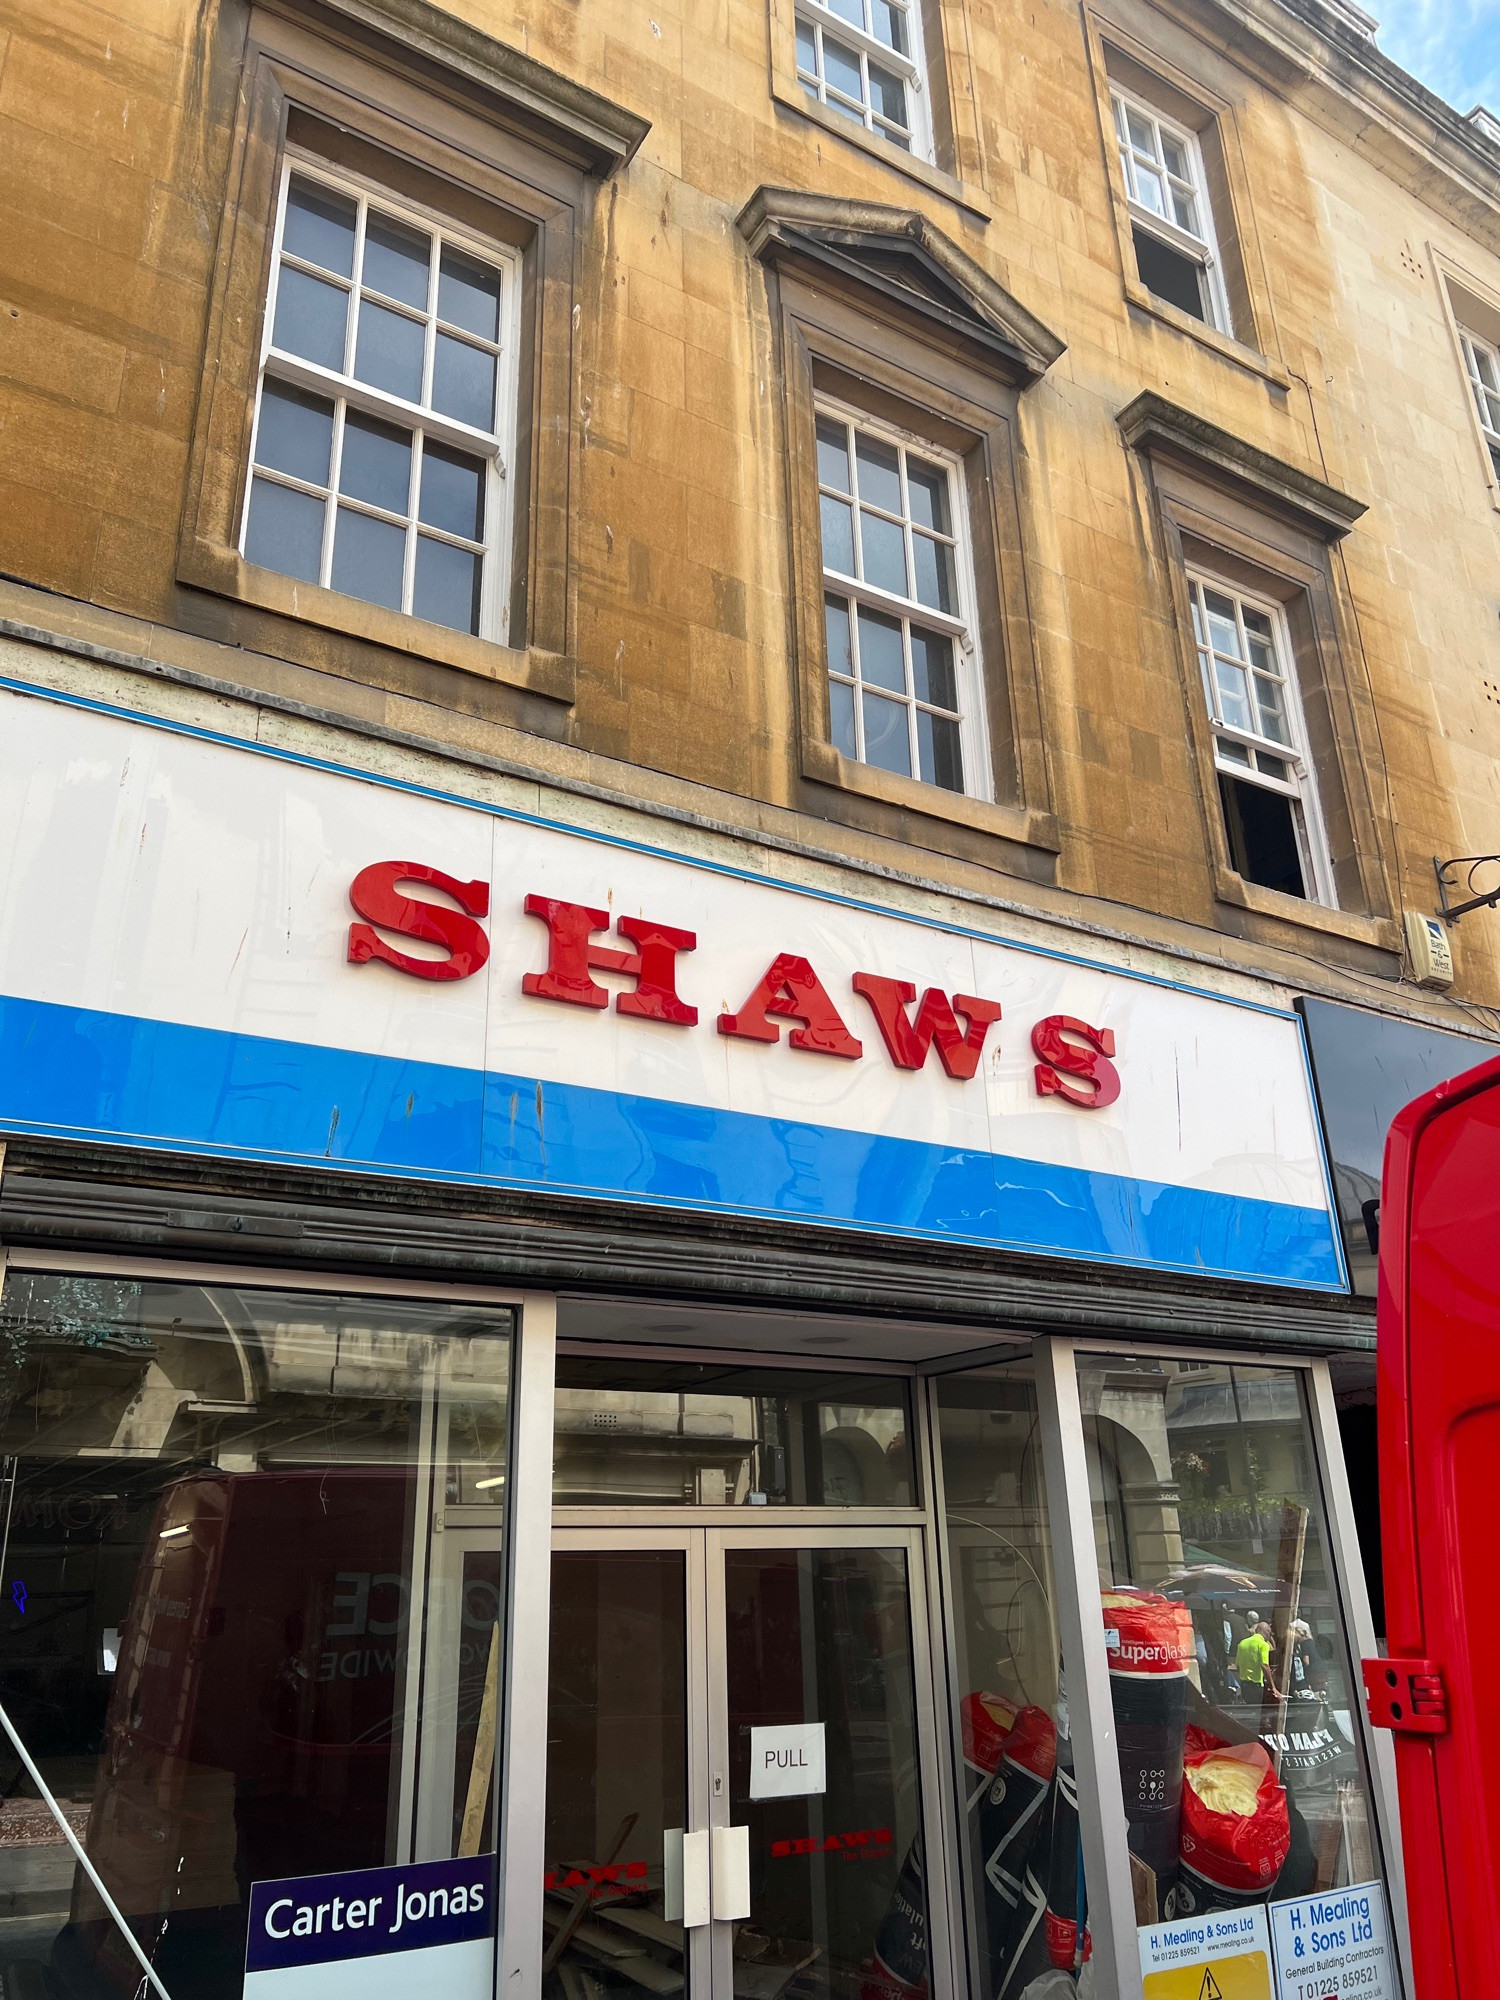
[736,1784]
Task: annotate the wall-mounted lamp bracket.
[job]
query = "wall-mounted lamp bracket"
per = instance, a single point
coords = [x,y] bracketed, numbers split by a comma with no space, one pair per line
[1446,880]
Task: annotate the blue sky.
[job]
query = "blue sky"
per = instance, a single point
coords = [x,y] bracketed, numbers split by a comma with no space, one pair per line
[1453,46]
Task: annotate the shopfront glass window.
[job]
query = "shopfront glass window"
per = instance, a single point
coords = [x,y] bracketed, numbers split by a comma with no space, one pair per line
[1230,1669]
[233,1638]
[1020,1844]
[682,1433]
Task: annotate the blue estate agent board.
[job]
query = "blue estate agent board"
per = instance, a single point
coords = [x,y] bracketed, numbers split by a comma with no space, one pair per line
[374,1934]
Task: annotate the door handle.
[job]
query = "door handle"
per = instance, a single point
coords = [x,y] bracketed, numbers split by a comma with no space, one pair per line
[685,1878]
[731,1873]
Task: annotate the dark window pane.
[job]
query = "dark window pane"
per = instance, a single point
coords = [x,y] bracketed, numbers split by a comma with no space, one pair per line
[367,558]
[447,585]
[1170,275]
[932,669]
[880,658]
[886,740]
[452,491]
[936,584]
[838,535]
[900,140]
[833,454]
[295,432]
[463,383]
[807,49]
[889,95]
[310,318]
[320,227]
[396,261]
[889,24]
[879,474]
[939,750]
[842,68]
[389,353]
[376,465]
[883,547]
[836,627]
[841,717]
[1262,832]
[285,531]
[927,491]
[469,295]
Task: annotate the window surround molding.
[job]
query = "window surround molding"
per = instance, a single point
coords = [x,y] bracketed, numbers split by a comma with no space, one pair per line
[1470,307]
[473,130]
[876,309]
[1228,509]
[1119,61]
[955,169]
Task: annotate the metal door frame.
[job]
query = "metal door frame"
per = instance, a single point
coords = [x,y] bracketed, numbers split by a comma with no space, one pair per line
[704,1546]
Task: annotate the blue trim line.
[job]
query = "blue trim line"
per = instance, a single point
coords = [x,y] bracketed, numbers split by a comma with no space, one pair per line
[71,1072]
[147,721]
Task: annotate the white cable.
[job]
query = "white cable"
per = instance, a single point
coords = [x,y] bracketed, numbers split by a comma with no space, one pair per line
[83,1861]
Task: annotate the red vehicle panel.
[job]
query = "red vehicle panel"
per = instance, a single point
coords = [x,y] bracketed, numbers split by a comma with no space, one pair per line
[1439,1416]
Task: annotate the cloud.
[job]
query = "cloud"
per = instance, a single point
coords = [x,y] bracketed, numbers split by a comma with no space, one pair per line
[1453,46]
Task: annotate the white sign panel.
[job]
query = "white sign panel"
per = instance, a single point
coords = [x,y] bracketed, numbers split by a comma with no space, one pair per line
[374,1934]
[1335,1947]
[1224,1953]
[207,946]
[788,1761]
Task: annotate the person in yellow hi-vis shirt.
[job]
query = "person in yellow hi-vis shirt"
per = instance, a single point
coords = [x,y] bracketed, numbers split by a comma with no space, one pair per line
[1252,1662]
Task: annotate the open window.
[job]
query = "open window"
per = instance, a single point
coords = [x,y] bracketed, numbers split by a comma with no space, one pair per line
[1171,216]
[1283,731]
[1268,790]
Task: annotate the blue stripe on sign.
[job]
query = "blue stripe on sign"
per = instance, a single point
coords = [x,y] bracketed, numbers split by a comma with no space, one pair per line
[71,1072]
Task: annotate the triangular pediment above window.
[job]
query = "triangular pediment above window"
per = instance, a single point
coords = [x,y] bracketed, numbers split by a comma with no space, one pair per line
[904,261]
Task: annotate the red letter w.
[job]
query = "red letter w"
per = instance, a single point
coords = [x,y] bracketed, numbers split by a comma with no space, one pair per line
[908,1041]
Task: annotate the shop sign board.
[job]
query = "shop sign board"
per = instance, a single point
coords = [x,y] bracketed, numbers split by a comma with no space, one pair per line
[374,1934]
[1335,1946]
[212,946]
[1221,1955]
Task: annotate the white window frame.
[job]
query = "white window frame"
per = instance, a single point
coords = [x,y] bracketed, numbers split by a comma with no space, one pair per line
[1480,356]
[867,47]
[962,628]
[1302,787]
[1200,249]
[344,389]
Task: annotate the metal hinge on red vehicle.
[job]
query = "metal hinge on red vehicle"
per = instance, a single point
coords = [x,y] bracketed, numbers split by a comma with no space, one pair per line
[1406,1694]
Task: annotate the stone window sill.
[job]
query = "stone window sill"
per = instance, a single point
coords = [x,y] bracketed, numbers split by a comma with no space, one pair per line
[1378,932]
[1248,358]
[226,573]
[1020,825]
[963,192]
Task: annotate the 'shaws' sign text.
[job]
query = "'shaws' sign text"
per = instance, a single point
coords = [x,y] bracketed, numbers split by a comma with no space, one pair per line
[1075,1058]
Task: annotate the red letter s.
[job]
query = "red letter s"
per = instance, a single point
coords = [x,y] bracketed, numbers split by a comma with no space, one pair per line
[1061,1058]
[373,894]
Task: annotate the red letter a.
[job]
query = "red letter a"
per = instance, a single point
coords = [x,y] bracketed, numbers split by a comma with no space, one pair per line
[909,1041]
[792,989]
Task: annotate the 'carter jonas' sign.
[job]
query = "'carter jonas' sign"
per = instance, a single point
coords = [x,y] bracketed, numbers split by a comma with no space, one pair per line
[1075,1057]
[527,1004]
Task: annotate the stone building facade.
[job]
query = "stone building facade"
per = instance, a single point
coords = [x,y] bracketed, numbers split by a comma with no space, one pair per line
[770,508]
